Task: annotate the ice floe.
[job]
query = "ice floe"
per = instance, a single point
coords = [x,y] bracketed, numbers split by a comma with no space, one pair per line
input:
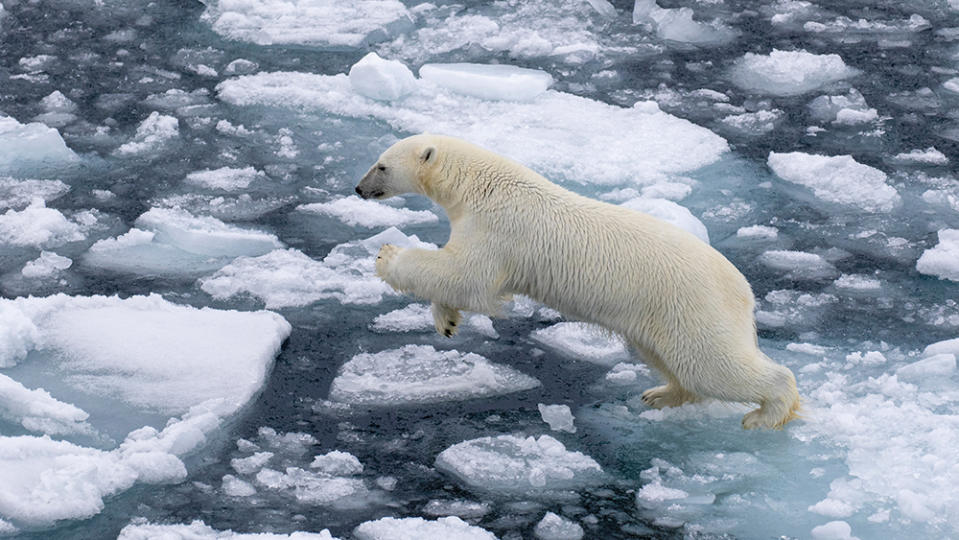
[837,179]
[559,417]
[556,134]
[32,146]
[583,341]
[554,527]
[788,73]
[798,264]
[141,529]
[678,25]
[285,278]
[171,241]
[416,528]
[225,178]
[19,193]
[421,374]
[355,211]
[515,464]
[47,265]
[151,135]
[942,260]
[488,81]
[39,226]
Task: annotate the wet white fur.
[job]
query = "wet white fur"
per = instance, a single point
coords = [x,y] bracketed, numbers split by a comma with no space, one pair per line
[680,303]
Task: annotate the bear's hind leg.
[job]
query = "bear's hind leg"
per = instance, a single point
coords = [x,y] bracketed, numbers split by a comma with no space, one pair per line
[671,394]
[446,319]
[780,401]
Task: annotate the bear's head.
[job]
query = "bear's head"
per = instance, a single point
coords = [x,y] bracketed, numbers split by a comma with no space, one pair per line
[405,167]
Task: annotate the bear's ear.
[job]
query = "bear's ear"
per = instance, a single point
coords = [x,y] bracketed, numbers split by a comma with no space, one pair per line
[428,154]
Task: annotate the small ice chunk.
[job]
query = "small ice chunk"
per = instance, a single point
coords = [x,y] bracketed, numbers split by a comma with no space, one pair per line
[929,156]
[753,123]
[671,213]
[554,527]
[18,194]
[421,374]
[559,417]
[416,528]
[678,25]
[939,366]
[509,463]
[284,278]
[834,530]
[952,85]
[314,487]
[381,79]
[141,529]
[31,146]
[48,264]
[235,487]
[788,73]
[460,508]
[251,464]
[583,341]
[942,260]
[355,211]
[604,8]
[857,282]
[225,178]
[155,131]
[844,109]
[489,81]
[759,232]
[336,463]
[950,346]
[58,110]
[798,264]
[38,226]
[837,179]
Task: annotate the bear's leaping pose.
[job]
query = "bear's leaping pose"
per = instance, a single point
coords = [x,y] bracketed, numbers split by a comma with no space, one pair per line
[679,302]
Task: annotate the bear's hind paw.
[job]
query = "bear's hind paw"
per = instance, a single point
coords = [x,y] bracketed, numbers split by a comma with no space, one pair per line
[446,319]
[666,396]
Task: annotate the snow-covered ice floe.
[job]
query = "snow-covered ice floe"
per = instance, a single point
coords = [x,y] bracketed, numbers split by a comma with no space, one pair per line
[38,226]
[519,465]
[171,241]
[416,528]
[113,369]
[788,73]
[557,134]
[141,529]
[839,180]
[289,278]
[323,23]
[421,374]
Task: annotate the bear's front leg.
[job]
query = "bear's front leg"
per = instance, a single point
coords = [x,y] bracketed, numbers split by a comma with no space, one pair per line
[451,282]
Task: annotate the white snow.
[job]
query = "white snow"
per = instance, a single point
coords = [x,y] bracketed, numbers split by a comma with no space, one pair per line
[48,264]
[284,278]
[671,213]
[419,318]
[171,241]
[381,79]
[324,23]
[678,25]
[837,179]
[416,528]
[489,81]
[559,417]
[355,211]
[554,527]
[514,464]
[557,134]
[155,131]
[25,147]
[225,178]
[125,361]
[39,226]
[942,260]
[788,73]
[583,341]
[421,374]
[141,529]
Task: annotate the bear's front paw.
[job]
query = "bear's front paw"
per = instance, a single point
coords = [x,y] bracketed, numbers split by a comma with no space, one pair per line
[446,319]
[666,396]
[383,259]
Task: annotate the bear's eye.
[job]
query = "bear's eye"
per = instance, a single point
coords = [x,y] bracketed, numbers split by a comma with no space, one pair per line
[381,167]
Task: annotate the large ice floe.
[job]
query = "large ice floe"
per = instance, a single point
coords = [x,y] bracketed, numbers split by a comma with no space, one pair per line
[557,134]
[283,278]
[325,23]
[175,372]
[421,374]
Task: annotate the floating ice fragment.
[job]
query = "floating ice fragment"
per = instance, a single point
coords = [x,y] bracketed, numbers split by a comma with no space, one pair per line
[421,374]
[355,211]
[48,264]
[512,464]
[416,528]
[834,530]
[559,417]
[671,213]
[678,25]
[26,147]
[952,85]
[336,463]
[141,529]
[38,226]
[381,79]
[151,134]
[929,156]
[460,508]
[554,527]
[604,8]
[58,110]
[251,464]
[18,194]
[844,109]
[225,178]
[325,23]
[759,232]
[583,341]
[798,264]
[942,260]
[837,179]
[536,133]
[235,487]
[489,81]
[857,282]
[788,73]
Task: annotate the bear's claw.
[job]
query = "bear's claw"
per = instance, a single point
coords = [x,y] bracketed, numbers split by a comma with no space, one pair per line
[446,319]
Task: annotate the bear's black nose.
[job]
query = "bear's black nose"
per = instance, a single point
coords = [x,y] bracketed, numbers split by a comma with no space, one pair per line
[358,192]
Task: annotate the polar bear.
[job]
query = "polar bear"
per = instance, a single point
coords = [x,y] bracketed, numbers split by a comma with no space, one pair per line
[677,301]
